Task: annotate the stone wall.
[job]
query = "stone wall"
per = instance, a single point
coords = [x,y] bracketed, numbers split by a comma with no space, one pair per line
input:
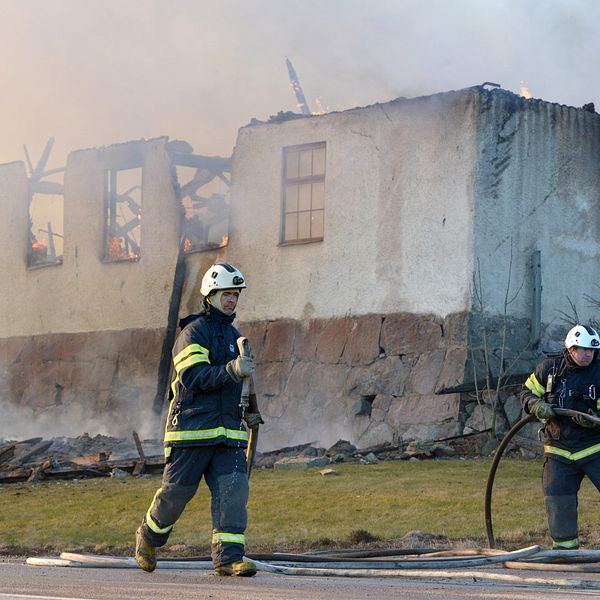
[97,381]
[367,379]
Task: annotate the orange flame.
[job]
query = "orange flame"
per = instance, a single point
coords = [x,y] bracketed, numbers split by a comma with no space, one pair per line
[524,91]
[116,250]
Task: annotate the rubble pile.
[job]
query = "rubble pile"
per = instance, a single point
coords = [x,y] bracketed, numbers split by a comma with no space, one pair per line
[37,459]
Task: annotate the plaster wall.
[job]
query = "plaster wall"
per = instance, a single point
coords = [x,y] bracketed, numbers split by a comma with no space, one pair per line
[537,187]
[84,293]
[398,210]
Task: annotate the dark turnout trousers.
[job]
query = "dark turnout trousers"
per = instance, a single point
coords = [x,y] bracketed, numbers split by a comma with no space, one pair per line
[561,482]
[224,470]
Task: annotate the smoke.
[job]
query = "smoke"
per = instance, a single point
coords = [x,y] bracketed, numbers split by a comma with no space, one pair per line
[103,71]
[22,422]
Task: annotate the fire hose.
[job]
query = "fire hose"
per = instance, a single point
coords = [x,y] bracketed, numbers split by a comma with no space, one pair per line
[565,412]
[348,565]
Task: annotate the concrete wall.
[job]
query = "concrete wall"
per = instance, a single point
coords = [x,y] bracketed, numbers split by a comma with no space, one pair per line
[87,332]
[354,334]
[85,293]
[398,209]
[538,185]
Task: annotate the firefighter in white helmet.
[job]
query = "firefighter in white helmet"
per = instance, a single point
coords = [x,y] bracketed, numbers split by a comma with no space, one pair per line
[571,444]
[205,435]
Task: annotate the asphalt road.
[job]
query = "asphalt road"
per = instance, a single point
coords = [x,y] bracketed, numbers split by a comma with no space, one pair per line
[23,582]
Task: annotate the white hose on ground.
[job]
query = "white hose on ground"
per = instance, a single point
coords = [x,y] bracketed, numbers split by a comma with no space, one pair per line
[525,565]
[69,559]
[590,554]
[367,569]
[415,563]
[431,574]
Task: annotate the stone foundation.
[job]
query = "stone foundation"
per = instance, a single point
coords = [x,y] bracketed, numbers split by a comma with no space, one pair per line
[368,379]
[96,381]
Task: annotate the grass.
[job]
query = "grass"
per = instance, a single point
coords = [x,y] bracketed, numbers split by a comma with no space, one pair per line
[289,510]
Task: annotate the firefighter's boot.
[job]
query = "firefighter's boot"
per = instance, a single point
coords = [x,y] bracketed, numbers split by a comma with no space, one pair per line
[238,568]
[145,555]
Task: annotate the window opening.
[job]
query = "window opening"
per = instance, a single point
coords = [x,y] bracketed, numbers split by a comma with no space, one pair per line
[123,192]
[46,211]
[206,202]
[303,193]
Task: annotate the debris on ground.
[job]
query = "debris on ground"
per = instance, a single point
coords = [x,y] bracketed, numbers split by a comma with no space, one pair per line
[36,459]
[85,456]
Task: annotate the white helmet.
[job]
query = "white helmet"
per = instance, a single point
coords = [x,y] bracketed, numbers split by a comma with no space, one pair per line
[582,336]
[221,276]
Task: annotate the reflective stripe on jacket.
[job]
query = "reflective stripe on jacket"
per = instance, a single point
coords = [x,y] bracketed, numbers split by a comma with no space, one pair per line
[573,387]
[204,399]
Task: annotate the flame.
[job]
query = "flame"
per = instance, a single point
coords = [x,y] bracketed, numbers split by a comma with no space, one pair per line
[187,245]
[224,240]
[116,250]
[524,91]
[321,110]
[38,246]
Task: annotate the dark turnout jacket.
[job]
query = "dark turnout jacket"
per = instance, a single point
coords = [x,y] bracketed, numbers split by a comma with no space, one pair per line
[560,382]
[204,399]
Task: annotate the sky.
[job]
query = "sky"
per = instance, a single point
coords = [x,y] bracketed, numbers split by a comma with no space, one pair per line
[96,72]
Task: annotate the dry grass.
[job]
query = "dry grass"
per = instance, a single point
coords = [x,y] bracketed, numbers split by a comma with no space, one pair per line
[298,509]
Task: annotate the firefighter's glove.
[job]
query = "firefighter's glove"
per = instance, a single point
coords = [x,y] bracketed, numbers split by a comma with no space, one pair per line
[253,420]
[583,422]
[542,410]
[240,367]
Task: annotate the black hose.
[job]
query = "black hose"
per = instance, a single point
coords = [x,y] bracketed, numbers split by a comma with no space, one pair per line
[492,474]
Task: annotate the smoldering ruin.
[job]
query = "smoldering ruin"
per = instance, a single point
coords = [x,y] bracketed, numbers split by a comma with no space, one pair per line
[378,282]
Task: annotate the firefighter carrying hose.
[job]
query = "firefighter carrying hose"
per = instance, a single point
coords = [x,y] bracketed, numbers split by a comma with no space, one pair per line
[569,380]
[204,433]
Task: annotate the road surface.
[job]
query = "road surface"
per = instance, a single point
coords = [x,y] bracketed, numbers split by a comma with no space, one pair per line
[19,581]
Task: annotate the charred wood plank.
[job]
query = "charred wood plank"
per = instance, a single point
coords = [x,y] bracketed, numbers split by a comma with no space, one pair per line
[216,164]
[140,465]
[29,441]
[34,451]
[47,187]
[39,168]
[15,476]
[138,445]
[63,473]
[7,452]
[511,381]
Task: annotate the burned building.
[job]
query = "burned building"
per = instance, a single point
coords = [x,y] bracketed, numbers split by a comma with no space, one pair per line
[397,256]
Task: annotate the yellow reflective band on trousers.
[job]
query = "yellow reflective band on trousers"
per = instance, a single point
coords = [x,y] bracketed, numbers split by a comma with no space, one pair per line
[566,544]
[233,538]
[534,386]
[151,522]
[205,434]
[574,456]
